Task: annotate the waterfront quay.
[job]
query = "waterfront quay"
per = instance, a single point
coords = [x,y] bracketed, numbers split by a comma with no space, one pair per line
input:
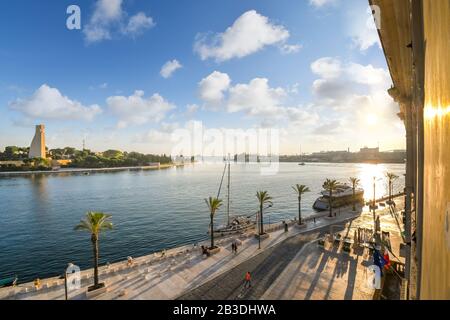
[289,265]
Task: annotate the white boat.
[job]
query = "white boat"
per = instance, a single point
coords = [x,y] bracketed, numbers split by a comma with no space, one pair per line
[341,197]
[237,225]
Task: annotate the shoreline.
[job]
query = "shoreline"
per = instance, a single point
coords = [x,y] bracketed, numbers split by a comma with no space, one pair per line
[88,170]
[110,269]
[171,251]
[168,274]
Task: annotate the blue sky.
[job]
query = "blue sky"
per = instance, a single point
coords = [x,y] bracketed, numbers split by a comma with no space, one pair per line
[312,69]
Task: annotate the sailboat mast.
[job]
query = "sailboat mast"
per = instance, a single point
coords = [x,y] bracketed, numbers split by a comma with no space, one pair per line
[228,185]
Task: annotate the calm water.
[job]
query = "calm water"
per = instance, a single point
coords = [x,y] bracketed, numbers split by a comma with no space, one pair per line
[151,210]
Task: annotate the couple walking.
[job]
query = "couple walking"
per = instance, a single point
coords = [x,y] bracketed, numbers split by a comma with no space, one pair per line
[234,247]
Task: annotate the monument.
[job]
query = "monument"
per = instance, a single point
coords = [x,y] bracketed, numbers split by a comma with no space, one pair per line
[37,148]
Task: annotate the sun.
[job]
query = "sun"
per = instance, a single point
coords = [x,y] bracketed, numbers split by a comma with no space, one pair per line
[372,119]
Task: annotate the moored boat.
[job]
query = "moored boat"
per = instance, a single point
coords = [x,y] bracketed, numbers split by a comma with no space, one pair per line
[341,197]
[235,224]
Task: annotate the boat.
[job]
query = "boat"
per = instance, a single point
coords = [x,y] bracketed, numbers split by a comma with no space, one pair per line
[234,224]
[302,164]
[341,197]
[237,225]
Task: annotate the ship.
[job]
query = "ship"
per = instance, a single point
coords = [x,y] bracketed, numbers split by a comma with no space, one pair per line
[234,224]
[341,197]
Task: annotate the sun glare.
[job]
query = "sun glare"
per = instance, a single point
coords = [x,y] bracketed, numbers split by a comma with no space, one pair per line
[371,119]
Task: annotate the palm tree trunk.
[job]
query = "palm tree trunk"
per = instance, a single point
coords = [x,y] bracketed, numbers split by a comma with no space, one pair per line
[331,204]
[354,200]
[94,240]
[212,232]
[390,190]
[300,210]
[261,216]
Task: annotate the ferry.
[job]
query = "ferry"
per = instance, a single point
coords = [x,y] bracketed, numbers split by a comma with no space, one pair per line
[341,197]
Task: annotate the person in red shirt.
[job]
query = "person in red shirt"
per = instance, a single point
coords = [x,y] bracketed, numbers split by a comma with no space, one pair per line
[248,280]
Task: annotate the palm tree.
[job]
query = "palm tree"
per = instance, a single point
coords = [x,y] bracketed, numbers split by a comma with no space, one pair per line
[95,222]
[300,190]
[213,204]
[355,183]
[330,186]
[263,198]
[391,177]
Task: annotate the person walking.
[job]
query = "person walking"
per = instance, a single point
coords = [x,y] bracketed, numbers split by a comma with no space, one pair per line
[235,247]
[248,280]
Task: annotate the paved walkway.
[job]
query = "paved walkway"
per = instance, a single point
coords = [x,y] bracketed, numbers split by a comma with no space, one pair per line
[328,273]
[182,269]
[298,269]
[264,268]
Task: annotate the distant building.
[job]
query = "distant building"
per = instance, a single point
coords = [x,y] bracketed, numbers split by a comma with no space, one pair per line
[37,148]
[369,154]
[372,151]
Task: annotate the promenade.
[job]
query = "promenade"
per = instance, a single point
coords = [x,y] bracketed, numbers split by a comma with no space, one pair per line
[182,270]
[329,273]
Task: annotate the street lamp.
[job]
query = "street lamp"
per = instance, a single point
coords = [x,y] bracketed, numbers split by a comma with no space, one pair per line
[374,203]
[69,266]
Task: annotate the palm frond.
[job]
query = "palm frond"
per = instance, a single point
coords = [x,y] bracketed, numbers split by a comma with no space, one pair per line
[95,222]
[213,204]
[301,189]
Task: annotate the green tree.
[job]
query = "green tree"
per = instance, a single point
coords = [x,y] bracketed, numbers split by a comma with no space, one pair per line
[213,204]
[94,223]
[112,154]
[355,183]
[330,186]
[11,153]
[300,190]
[263,198]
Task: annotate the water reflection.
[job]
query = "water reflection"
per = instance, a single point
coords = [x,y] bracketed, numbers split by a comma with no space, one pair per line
[367,173]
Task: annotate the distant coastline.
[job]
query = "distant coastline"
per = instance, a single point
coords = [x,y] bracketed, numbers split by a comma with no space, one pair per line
[87,171]
[349,162]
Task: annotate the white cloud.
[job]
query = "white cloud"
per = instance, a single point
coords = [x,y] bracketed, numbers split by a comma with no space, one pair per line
[348,94]
[212,88]
[255,98]
[101,86]
[169,68]
[109,17]
[361,28]
[250,33]
[138,23]
[327,67]
[368,74]
[192,108]
[49,103]
[290,48]
[137,110]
